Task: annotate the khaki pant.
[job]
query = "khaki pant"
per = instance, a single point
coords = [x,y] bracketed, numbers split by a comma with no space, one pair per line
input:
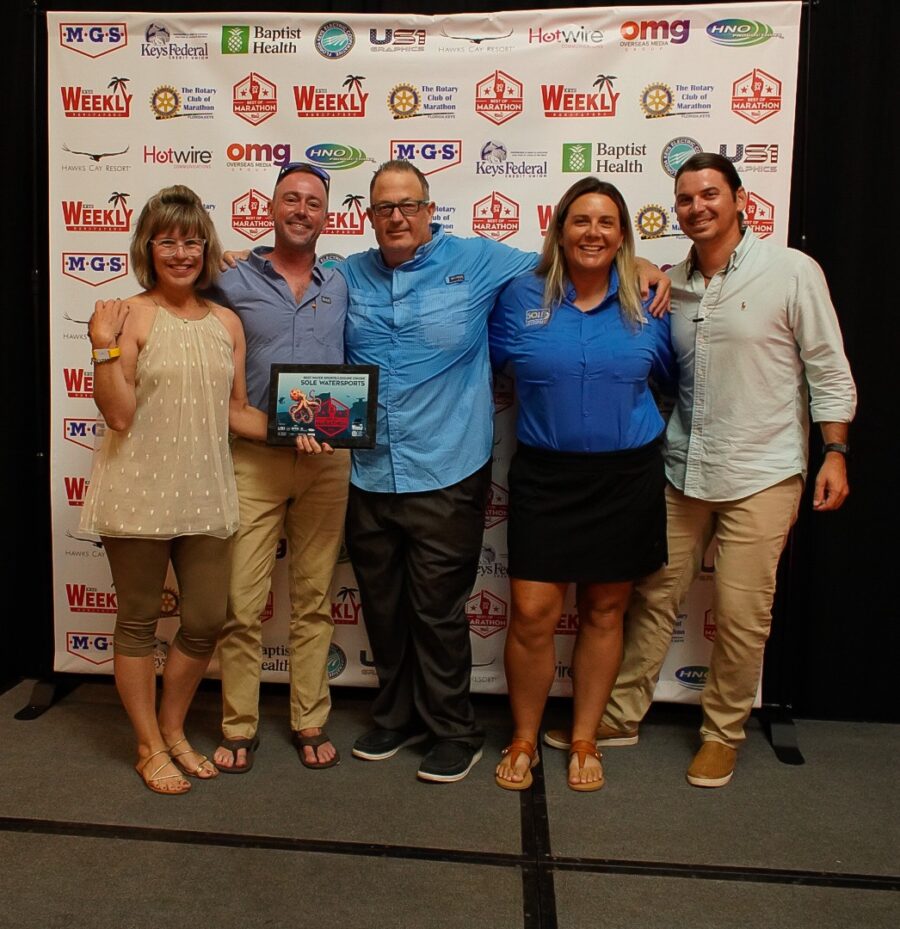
[751,534]
[306,498]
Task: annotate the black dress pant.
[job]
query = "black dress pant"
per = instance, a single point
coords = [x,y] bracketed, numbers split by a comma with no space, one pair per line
[416,556]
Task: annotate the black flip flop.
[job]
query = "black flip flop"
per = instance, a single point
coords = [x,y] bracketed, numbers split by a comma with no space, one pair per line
[232,745]
[313,742]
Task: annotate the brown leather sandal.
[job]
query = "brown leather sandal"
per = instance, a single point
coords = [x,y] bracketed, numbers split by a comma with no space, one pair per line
[512,751]
[583,748]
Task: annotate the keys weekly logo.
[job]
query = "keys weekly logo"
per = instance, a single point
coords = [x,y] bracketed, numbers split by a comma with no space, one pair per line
[565,102]
[316,102]
[88,103]
[79,383]
[79,216]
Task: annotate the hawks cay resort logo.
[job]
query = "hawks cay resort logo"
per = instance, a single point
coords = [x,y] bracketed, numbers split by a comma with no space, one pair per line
[260,40]
[428,155]
[319,103]
[162,42]
[93,39]
[564,102]
[254,98]
[111,102]
[740,33]
[496,160]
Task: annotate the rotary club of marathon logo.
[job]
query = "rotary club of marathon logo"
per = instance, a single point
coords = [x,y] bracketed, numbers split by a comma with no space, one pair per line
[168,102]
[404,101]
[495,217]
[652,221]
[659,100]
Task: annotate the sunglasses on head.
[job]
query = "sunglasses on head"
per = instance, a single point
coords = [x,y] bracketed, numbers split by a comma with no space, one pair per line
[308,168]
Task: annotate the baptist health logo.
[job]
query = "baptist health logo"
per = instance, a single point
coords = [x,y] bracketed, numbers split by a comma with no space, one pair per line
[740,33]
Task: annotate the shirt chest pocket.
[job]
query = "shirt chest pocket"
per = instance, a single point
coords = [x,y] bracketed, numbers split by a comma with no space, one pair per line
[443,314]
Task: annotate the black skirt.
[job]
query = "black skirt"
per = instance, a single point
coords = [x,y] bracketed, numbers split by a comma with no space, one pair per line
[591,518]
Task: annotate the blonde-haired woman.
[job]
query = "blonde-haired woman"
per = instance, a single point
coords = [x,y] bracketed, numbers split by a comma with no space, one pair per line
[586,485]
[169,373]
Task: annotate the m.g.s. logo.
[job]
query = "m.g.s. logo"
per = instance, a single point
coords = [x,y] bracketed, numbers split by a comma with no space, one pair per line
[428,155]
[83,432]
[692,676]
[97,648]
[93,39]
[95,268]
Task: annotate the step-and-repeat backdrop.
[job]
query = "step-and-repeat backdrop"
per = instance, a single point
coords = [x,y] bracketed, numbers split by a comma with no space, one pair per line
[502,112]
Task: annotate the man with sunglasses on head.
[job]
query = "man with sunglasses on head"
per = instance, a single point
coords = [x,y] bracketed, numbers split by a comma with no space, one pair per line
[418,308]
[293,312]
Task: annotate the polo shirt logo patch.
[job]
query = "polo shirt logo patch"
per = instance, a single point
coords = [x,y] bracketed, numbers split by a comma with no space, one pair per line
[324,298]
[456,278]
[537,317]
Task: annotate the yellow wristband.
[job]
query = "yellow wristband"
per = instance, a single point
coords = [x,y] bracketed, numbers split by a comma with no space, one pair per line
[101,355]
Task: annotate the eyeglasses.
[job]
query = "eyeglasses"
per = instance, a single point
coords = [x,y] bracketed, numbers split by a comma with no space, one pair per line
[166,248]
[308,168]
[406,207]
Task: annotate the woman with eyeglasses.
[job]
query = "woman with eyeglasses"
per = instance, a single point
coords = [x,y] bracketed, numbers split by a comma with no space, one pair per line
[169,381]
[586,484]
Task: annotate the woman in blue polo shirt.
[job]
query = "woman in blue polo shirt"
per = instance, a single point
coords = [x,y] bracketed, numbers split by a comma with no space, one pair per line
[586,485]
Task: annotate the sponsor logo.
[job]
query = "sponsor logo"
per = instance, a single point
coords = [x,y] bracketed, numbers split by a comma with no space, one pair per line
[567,624]
[537,317]
[314,102]
[676,152]
[756,96]
[258,40]
[177,157]
[333,416]
[79,216]
[475,44]
[83,432]
[759,215]
[544,213]
[397,40]
[654,32]
[161,42]
[79,383]
[90,646]
[254,99]
[329,260]
[169,604]
[497,509]
[334,39]
[495,217]
[499,97]
[170,102]
[759,156]
[610,159]
[250,215]
[346,608]
[337,661]
[709,626]
[351,220]
[445,215]
[564,102]
[490,564]
[692,676]
[95,268]
[428,155]
[568,36]
[497,161]
[407,100]
[336,157]
[87,103]
[84,599]
[76,488]
[739,33]
[486,613]
[93,39]
[651,221]
[688,100]
[95,159]
[256,154]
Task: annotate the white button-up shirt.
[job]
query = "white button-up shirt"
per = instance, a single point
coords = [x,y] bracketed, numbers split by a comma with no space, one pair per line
[758,349]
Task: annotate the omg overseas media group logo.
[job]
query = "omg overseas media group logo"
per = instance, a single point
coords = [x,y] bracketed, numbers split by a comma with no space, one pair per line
[647,33]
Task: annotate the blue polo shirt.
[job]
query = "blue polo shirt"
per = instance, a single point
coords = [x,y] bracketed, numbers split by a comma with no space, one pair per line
[278,329]
[582,378]
[424,323]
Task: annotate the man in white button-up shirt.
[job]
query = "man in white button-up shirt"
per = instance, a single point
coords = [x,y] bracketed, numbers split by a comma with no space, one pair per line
[759,348]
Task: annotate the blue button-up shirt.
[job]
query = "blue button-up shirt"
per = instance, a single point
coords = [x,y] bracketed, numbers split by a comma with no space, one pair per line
[424,323]
[582,378]
[278,329]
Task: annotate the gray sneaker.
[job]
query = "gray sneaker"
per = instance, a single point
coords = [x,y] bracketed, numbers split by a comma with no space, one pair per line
[448,761]
[380,744]
[606,736]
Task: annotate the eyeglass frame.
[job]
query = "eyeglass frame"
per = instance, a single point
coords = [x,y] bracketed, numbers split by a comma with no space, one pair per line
[382,212]
[307,168]
[180,243]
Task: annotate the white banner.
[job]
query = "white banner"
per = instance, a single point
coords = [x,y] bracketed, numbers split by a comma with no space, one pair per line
[502,111]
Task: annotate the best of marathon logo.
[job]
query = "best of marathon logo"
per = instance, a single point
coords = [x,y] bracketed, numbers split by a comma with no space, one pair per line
[315,102]
[565,102]
[756,96]
[254,99]
[258,40]
[93,39]
[759,215]
[649,32]
[610,159]
[486,613]
[87,103]
[690,100]
[497,161]
[428,155]
[161,42]
[497,509]
[436,100]
[95,268]
[499,97]
[79,216]
[495,217]
[250,215]
[397,40]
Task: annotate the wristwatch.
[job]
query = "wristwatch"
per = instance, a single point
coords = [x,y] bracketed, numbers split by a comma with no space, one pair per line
[102,355]
[836,447]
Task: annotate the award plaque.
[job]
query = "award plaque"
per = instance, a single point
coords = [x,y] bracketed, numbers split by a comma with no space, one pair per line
[331,403]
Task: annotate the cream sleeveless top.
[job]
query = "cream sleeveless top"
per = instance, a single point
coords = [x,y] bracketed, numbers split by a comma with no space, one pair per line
[170,473]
